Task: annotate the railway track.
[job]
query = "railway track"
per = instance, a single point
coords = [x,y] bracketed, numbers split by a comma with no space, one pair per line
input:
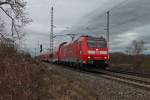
[135,81]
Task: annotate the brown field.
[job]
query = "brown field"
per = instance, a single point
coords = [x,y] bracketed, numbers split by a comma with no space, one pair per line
[22,78]
[139,63]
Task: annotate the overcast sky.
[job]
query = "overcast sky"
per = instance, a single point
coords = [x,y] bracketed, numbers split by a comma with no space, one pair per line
[129,20]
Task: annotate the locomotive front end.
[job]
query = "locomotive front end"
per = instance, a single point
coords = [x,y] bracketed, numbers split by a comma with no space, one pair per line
[97,51]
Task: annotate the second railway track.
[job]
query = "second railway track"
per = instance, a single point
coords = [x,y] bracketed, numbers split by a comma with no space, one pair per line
[135,81]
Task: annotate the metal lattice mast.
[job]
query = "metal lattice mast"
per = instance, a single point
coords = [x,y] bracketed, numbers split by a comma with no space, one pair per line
[51,34]
[108,26]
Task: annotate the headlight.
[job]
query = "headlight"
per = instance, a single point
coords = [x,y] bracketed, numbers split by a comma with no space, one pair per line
[91,52]
[103,52]
[105,57]
[89,57]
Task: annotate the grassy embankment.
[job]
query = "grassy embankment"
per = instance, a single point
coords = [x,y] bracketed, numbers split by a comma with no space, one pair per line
[23,78]
[139,63]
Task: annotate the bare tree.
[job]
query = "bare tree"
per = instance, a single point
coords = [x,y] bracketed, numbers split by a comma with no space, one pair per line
[2,27]
[2,30]
[15,10]
[136,48]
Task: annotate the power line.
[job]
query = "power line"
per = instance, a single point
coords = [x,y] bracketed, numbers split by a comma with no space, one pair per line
[121,3]
[105,13]
[130,20]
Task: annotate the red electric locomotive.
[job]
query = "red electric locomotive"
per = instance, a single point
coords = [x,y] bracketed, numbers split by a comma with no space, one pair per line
[86,50]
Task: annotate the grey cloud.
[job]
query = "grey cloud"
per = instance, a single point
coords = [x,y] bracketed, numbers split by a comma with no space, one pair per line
[127,22]
[130,20]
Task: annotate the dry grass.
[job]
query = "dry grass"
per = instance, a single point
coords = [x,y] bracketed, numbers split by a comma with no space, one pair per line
[66,89]
[19,75]
[23,78]
[139,63]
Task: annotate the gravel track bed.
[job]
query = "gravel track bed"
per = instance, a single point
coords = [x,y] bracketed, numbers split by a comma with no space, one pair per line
[104,89]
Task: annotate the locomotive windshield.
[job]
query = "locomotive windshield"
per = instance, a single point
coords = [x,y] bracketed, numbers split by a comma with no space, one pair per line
[96,42]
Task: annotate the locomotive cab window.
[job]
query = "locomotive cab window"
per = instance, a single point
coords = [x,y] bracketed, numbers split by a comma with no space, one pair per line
[96,42]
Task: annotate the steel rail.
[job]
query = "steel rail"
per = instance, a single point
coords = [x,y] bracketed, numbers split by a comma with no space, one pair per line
[135,81]
[128,79]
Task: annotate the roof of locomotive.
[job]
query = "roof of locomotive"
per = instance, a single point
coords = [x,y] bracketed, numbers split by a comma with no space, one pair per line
[87,36]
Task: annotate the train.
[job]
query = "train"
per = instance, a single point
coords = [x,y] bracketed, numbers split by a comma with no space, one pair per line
[44,57]
[86,51]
